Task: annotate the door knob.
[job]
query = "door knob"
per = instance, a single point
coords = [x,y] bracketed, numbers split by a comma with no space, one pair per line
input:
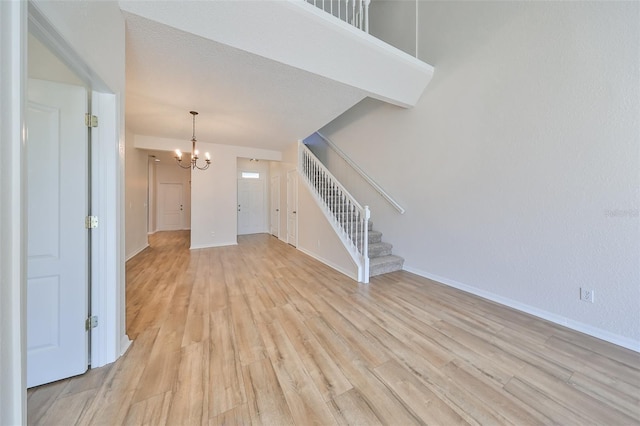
[294,212]
[277,210]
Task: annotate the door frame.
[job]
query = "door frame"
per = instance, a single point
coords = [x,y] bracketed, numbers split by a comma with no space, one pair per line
[263,217]
[109,340]
[292,192]
[274,201]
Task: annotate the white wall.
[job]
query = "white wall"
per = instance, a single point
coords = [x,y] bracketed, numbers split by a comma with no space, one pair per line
[214,191]
[351,179]
[317,238]
[136,187]
[519,167]
[44,65]
[95,30]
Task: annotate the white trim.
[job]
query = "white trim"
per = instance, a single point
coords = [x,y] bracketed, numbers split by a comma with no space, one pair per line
[125,343]
[13,39]
[138,251]
[107,258]
[107,253]
[205,246]
[40,26]
[294,190]
[350,274]
[607,336]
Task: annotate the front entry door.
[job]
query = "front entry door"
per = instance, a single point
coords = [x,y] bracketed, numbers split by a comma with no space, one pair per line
[57,240]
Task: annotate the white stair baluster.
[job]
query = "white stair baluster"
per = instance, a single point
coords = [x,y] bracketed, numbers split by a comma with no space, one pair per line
[366,15]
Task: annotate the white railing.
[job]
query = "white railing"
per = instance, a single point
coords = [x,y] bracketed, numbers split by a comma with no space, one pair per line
[384,194]
[349,219]
[354,12]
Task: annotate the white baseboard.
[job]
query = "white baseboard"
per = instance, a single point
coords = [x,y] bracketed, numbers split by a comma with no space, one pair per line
[136,252]
[204,246]
[350,274]
[607,336]
[125,342]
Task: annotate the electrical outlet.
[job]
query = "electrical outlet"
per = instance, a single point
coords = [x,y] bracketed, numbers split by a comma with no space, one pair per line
[586,295]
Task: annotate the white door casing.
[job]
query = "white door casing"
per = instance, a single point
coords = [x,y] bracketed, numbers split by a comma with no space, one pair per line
[170,207]
[57,241]
[275,206]
[292,207]
[251,209]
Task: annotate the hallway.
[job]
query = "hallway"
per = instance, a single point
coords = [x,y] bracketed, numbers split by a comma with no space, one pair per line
[261,333]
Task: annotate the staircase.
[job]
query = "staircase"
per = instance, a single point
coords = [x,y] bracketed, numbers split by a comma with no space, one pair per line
[349,219]
[381,261]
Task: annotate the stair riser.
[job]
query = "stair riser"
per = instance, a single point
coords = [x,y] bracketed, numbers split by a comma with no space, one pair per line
[374,237]
[378,252]
[385,268]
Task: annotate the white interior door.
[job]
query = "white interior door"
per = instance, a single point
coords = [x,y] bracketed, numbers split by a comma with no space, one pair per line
[275,206]
[170,207]
[292,207]
[57,241]
[251,209]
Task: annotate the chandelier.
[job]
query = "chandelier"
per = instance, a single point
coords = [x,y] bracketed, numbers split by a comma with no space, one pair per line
[193,164]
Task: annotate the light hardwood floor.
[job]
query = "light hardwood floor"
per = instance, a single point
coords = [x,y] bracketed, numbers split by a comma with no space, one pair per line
[260,333]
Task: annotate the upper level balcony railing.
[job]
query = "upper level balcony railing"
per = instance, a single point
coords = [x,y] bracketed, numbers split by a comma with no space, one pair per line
[354,12]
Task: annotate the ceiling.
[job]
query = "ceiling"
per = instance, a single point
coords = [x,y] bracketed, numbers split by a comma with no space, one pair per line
[243,99]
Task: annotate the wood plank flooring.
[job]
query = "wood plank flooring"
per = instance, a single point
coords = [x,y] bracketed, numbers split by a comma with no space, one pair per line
[260,333]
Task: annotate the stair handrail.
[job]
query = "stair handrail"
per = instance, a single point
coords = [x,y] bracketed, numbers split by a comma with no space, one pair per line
[357,15]
[363,174]
[349,219]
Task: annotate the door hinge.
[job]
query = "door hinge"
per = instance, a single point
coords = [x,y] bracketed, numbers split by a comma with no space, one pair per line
[90,120]
[91,322]
[91,222]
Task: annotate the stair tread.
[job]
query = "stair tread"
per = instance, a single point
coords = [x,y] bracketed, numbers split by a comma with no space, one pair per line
[385,259]
[380,244]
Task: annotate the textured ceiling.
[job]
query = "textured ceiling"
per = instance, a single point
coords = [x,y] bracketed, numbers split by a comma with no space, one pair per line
[243,99]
